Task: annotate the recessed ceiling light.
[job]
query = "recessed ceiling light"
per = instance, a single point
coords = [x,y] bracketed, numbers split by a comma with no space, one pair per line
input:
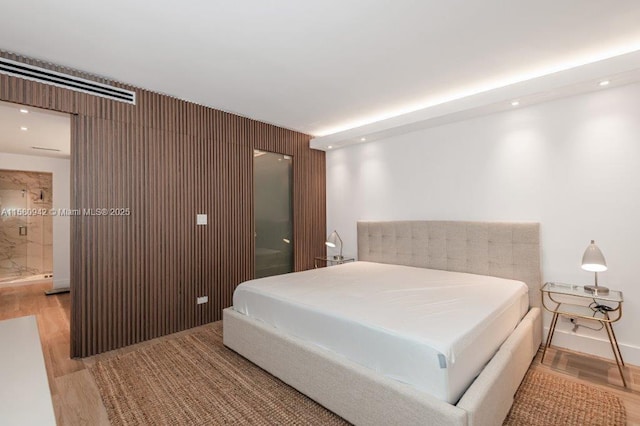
[363,139]
[604,83]
[24,129]
[329,147]
[515,103]
[24,111]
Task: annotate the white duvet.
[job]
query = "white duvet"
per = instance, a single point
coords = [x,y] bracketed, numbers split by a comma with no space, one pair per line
[432,329]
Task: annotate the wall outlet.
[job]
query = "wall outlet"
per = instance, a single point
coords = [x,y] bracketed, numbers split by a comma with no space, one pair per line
[202,299]
[571,320]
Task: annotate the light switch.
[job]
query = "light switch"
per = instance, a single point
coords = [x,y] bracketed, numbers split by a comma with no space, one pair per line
[201,219]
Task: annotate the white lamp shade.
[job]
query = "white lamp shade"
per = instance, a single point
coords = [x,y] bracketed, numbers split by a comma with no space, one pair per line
[333,239]
[593,259]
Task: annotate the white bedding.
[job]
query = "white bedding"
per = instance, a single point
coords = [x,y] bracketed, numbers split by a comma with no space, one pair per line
[432,329]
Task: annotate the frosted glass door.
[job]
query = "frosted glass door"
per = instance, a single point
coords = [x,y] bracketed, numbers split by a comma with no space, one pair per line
[273,213]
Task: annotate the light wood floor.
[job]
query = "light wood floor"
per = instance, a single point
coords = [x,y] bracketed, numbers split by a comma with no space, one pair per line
[76,399]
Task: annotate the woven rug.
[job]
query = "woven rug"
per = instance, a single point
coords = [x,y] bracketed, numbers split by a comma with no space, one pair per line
[544,399]
[194,380]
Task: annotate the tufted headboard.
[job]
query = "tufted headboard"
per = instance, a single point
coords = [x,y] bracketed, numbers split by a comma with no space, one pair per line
[500,249]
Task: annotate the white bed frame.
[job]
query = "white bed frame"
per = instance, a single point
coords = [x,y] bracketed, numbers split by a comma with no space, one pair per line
[362,396]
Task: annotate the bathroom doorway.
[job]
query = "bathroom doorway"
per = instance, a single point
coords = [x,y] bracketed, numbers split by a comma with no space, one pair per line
[35,168]
[26,226]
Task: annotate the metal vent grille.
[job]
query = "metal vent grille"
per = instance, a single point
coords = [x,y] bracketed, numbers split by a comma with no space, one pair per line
[46,76]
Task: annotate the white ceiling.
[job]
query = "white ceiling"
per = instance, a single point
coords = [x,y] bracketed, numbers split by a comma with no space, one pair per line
[320,66]
[45,129]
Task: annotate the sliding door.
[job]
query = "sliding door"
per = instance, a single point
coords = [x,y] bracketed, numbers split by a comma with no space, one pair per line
[273,213]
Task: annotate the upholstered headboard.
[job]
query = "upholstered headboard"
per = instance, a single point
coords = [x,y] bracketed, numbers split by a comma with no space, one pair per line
[500,249]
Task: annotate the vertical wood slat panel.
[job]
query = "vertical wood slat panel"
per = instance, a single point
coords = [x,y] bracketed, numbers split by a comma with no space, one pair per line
[136,277]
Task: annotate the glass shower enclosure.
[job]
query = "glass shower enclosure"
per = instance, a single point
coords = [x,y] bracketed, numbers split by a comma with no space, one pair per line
[26,237]
[13,233]
[273,213]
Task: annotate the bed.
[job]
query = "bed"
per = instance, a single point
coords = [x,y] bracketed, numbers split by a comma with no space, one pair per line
[455,383]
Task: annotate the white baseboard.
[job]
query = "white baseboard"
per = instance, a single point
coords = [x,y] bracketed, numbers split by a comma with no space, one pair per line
[25,283]
[593,346]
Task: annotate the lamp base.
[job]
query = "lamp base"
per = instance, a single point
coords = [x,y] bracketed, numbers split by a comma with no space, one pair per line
[596,289]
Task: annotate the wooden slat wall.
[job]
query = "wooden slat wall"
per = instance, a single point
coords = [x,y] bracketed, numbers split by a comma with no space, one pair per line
[135,278]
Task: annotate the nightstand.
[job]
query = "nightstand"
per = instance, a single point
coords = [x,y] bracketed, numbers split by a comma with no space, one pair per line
[328,261]
[574,301]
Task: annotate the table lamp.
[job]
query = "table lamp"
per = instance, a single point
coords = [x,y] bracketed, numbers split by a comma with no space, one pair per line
[332,240]
[593,261]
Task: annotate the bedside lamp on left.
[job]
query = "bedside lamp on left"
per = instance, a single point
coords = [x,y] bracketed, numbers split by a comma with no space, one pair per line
[332,241]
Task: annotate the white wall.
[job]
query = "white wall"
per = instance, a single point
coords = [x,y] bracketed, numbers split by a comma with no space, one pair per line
[61,200]
[572,164]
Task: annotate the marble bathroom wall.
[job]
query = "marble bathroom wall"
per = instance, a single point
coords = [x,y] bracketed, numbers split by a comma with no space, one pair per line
[26,231]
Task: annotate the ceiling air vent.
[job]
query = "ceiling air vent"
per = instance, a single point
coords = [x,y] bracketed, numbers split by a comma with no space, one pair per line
[42,75]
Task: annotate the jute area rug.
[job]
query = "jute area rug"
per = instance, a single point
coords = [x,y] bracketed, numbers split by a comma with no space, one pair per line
[194,380]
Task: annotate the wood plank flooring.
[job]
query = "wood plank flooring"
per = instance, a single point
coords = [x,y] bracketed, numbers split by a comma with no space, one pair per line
[76,399]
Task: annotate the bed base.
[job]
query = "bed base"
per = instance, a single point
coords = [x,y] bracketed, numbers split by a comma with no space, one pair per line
[364,397]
